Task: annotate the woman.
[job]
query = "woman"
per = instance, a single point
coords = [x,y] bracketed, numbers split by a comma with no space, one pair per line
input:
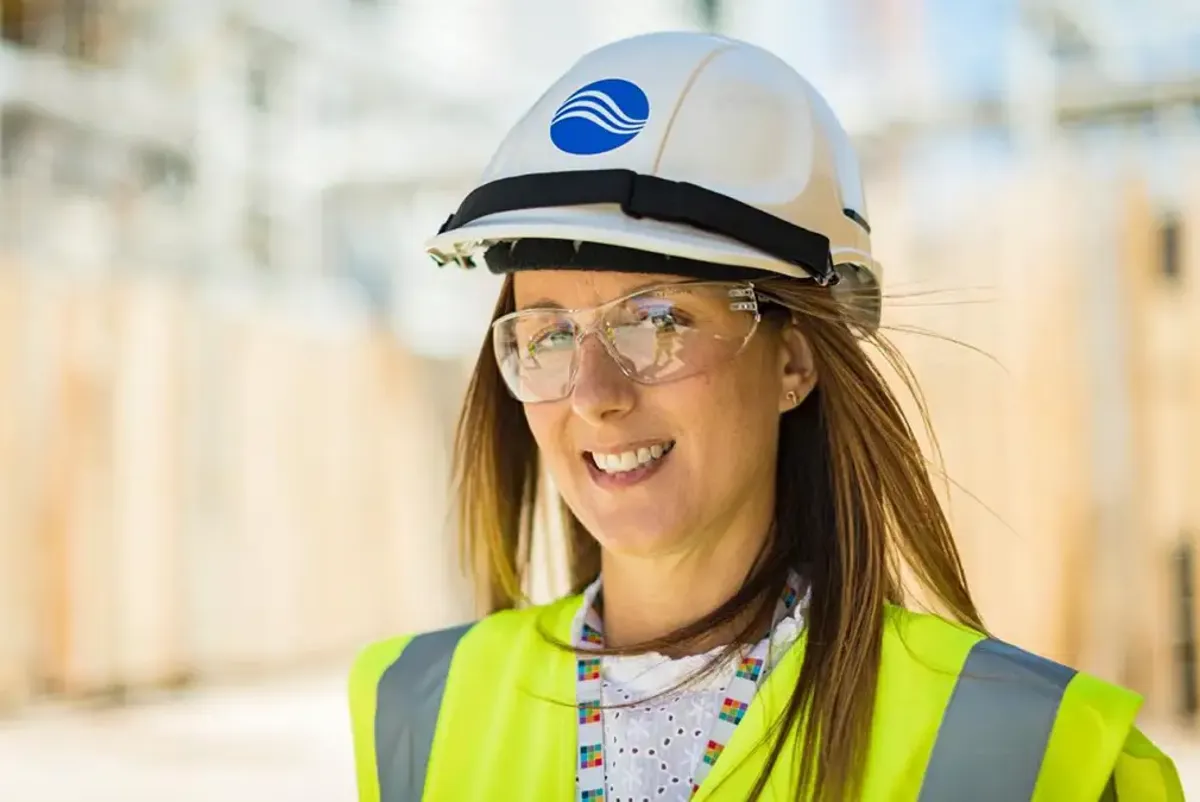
[679,345]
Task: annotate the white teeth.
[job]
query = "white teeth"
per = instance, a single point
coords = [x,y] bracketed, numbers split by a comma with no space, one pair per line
[629,460]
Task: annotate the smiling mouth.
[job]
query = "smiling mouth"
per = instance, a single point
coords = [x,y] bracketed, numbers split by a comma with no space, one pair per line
[615,464]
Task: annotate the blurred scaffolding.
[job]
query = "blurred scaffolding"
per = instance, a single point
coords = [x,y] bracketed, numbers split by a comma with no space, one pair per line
[228,378]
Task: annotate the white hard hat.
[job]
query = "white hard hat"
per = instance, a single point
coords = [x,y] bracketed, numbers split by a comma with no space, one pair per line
[678,153]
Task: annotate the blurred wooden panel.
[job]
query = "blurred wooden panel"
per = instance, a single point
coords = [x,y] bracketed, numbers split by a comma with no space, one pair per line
[78,523]
[1157,356]
[17,600]
[1045,451]
[266,513]
[1189,689]
[146,475]
[206,540]
[325,502]
[339,478]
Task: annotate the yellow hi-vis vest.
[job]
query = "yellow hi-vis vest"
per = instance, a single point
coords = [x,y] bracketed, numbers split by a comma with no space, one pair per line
[486,713]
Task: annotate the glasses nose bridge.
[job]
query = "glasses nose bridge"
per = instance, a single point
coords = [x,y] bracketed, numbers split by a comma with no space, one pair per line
[593,321]
[596,323]
[590,320]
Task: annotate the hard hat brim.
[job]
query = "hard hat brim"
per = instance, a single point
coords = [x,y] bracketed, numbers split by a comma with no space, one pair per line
[606,225]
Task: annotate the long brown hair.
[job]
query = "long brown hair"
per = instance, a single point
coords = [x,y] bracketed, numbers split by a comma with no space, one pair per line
[855,509]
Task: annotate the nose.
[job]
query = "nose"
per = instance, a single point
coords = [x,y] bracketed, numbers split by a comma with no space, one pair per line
[602,392]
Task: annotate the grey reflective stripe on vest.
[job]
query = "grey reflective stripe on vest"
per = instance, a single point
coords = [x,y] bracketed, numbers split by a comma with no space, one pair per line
[406,711]
[996,727]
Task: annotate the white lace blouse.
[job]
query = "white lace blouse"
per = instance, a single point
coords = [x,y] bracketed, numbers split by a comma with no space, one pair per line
[651,750]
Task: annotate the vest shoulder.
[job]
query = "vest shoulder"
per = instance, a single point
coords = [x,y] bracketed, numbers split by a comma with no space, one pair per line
[1084,721]
[493,634]
[919,641]
[553,619]
[926,637]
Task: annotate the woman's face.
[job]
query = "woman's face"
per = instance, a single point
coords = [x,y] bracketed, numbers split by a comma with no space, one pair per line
[705,444]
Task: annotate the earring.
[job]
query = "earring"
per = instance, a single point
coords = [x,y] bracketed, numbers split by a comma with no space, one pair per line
[792,398]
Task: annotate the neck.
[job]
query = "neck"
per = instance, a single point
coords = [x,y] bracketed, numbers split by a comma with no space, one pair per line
[648,597]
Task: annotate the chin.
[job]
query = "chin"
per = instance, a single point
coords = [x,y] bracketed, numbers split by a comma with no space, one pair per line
[638,544]
[635,533]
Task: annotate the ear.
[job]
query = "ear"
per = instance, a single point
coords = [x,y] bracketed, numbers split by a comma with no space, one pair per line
[797,371]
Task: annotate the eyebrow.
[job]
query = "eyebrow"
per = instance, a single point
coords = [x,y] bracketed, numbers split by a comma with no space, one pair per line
[550,303]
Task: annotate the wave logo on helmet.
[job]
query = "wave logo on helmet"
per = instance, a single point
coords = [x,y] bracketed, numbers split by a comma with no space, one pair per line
[600,117]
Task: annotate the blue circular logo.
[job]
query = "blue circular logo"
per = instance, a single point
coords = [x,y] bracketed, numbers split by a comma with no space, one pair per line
[600,117]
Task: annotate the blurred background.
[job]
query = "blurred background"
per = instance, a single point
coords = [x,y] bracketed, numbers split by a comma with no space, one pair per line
[229,377]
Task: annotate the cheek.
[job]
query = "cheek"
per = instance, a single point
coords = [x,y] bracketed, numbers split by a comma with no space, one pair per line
[543,420]
[731,417]
[551,425]
[747,393]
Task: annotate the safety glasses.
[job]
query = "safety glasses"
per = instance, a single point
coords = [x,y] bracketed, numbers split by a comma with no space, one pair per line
[655,335]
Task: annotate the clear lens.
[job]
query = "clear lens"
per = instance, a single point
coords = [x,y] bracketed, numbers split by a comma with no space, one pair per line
[661,334]
[536,354]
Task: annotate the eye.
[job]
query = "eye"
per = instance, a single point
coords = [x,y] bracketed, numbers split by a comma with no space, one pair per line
[551,339]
